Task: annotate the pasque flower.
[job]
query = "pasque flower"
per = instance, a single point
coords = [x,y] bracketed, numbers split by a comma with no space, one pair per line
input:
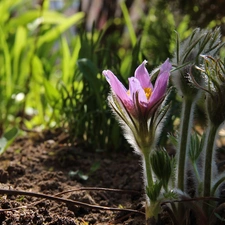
[135,107]
[137,110]
[142,97]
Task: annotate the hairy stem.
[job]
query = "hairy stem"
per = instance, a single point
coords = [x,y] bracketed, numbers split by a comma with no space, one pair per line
[208,149]
[186,125]
[149,215]
[148,170]
[199,180]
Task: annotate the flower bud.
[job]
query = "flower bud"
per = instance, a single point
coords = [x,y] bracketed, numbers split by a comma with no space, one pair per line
[216,106]
[213,71]
[188,55]
[162,166]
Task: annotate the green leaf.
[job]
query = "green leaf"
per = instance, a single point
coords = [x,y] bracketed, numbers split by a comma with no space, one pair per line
[5,6]
[183,29]
[154,191]
[217,182]
[219,217]
[196,146]
[173,139]
[37,69]
[52,94]
[128,23]
[170,195]
[32,19]
[19,44]
[90,72]
[53,17]
[12,133]
[75,53]
[66,59]
[23,19]
[55,32]
[8,138]
[3,143]
[5,51]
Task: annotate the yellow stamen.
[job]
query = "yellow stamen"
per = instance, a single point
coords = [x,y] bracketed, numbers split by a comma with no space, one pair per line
[148,92]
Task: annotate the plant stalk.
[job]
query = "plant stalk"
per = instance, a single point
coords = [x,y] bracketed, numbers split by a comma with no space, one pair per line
[186,125]
[147,169]
[149,211]
[208,150]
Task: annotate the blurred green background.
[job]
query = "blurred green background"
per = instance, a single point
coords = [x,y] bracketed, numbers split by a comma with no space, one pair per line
[52,53]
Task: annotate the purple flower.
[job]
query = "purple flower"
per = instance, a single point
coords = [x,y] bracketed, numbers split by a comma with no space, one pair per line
[141,97]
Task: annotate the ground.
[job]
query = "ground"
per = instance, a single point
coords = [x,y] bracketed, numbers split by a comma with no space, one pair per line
[69,180]
[44,163]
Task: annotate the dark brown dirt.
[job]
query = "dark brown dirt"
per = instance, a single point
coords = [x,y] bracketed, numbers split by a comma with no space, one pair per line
[45,163]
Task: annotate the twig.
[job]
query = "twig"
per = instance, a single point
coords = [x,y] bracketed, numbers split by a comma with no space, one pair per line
[54,198]
[119,220]
[99,189]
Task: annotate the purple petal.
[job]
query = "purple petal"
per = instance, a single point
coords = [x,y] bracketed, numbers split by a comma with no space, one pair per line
[135,87]
[166,66]
[161,82]
[142,75]
[117,86]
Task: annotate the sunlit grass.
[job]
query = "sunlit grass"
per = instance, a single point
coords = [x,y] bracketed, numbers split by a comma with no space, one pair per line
[51,67]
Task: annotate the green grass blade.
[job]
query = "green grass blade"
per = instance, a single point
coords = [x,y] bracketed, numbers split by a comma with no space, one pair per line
[75,53]
[128,23]
[90,72]
[7,64]
[52,94]
[66,58]
[5,6]
[55,32]
[19,44]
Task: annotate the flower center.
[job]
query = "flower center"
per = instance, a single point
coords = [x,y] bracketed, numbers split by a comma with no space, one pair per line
[148,92]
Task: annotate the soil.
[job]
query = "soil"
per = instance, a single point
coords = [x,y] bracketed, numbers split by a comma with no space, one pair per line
[45,163]
[46,180]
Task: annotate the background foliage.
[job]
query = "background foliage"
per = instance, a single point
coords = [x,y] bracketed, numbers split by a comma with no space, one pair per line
[52,54]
